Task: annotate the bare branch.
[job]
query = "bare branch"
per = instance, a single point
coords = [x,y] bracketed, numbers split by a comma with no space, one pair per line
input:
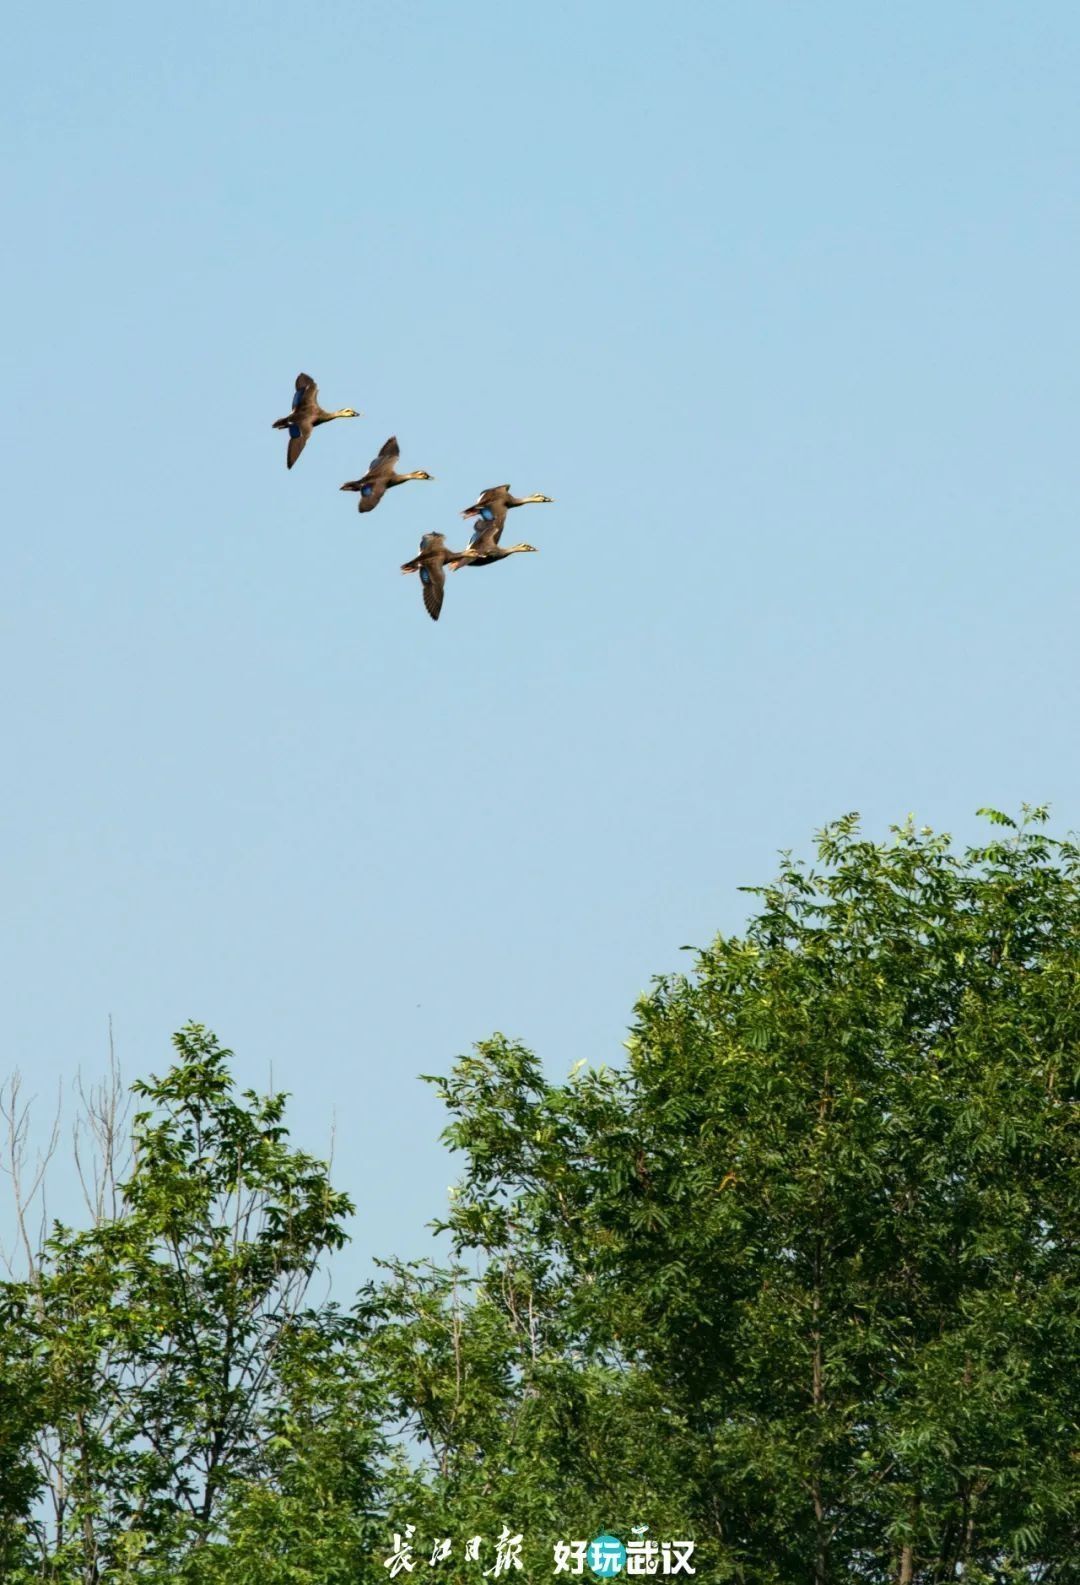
[27,1185]
[102,1135]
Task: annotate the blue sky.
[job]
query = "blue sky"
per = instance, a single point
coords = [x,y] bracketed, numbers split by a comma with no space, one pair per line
[777,301]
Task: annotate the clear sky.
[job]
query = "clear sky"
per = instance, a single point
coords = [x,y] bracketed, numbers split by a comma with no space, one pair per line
[778,301]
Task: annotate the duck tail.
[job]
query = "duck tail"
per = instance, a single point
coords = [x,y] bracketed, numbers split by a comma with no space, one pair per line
[282,423]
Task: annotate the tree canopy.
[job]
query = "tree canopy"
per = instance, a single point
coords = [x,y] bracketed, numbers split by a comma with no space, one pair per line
[799,1283]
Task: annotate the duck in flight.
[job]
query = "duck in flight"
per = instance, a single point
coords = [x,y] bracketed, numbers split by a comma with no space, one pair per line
[306,414]
[484,547]
[492,505]
[431,564]
[380,477]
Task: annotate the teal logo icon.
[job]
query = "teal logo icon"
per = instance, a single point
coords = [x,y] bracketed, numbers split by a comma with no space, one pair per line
[607,1556]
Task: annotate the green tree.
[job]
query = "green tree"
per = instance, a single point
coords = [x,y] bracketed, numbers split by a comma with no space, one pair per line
[20,1412]
[310,1512]
[821,1234]
[168,1339]
[800,1283]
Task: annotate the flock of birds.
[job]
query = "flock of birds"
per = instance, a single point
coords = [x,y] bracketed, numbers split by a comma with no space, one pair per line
[490,506]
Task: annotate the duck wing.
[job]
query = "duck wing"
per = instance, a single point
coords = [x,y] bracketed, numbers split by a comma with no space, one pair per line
[492,514]
[298,439]
[490,505]
[433,582]
[388,455]
[305,406]
[371,491]
[487,535]
[306,393]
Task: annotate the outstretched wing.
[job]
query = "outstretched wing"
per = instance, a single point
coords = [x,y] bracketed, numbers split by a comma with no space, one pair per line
[433,582]
[490,505]
[373,486]
[371,489]
[492,515]
[306,393]
[305,406]
[384,462]
[371,492]
[487,535]
[298,439]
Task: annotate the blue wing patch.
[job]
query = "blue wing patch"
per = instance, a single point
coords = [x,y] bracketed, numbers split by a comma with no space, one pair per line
[296,398]
[294,431]
[425,576]
[365,489]
[487,514]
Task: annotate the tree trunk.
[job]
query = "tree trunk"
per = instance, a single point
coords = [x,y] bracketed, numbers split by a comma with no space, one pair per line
[818,1391]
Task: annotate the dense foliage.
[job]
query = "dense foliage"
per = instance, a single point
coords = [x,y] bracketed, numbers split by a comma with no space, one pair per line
[801,1283]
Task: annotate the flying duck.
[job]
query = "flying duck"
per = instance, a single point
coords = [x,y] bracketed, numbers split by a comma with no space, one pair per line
[492,505]
[431,565]
[381,477]
[306,414]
